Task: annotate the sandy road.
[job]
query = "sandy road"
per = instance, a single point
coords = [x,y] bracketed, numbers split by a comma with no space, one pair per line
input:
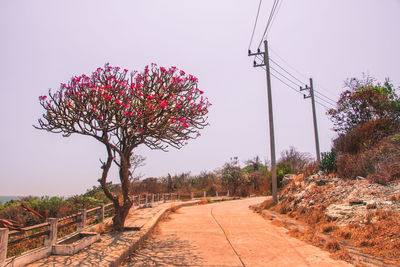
[226,234]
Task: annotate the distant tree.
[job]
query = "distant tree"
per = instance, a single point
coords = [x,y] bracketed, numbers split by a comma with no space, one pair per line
[158,108]
[363,101]
[293,161]
[232,175]
[137,161]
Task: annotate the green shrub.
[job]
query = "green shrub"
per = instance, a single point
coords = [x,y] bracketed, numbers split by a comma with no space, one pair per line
[328,161]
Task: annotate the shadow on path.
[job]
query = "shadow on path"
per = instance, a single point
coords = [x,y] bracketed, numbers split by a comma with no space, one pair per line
[169,251]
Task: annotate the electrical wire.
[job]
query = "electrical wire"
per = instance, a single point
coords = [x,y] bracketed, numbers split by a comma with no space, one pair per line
[288,79]
[294,89]
[316,96]
[327,108]
[290,66]
[296,84]
[302,74]
[271,14]
[273,61]
[273,19]
[321,94]
[289,86]
[255,24]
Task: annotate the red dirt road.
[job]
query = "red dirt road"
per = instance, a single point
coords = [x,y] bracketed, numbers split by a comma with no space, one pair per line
[226,234]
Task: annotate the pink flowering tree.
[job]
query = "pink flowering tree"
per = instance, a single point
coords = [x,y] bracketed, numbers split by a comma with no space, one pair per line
[159,108]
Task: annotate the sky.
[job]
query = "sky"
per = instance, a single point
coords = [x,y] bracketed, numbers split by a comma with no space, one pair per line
[44,43]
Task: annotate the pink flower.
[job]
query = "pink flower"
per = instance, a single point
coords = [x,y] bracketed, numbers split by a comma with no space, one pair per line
[163,104]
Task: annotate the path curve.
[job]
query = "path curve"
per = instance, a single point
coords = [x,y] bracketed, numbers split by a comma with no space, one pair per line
[226,234]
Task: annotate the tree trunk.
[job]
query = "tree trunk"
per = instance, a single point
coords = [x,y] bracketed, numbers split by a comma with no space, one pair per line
[122,210]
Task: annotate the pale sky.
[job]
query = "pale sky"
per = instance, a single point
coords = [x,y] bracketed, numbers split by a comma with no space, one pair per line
[44,43]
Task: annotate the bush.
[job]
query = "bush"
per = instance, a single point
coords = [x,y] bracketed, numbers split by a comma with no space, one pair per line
[365,101]
[367,118]
[379,164]
[328,161]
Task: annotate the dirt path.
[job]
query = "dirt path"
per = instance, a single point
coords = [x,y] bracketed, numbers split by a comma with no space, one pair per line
[226,234]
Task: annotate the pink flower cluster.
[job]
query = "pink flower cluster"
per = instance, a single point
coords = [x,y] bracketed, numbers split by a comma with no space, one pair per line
[170,95]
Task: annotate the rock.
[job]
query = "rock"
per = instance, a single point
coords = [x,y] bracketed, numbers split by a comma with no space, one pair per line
[336,180]
[287,179]
[356,201]
[360,178]
[321,182]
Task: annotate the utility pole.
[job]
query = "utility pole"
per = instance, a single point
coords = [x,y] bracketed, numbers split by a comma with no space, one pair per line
[271,116]
[311,88]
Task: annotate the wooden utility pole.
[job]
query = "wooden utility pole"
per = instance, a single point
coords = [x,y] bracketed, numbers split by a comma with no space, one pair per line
[311,88]
[271,117]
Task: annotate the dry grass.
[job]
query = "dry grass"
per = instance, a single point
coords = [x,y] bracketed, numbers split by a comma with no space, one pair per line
[342,255]
[204,201]
[267,204]
[394,197]
[328,227]
[379,236]
[173,208]
[332,245]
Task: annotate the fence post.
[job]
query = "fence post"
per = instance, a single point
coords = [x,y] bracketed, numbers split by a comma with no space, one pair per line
[82,219]
[52,238]
[191,195]
[204,194]
[152,199]
[101,213]
[216,193]
[3,245]
[170,197]
[178,196]
[227,194]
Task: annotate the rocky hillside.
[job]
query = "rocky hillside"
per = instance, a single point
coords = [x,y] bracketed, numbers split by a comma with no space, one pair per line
[357,220]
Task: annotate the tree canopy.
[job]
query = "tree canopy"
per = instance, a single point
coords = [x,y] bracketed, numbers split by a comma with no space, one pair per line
[158,107]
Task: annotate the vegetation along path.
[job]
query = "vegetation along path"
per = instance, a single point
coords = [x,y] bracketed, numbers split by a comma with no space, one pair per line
[226,234]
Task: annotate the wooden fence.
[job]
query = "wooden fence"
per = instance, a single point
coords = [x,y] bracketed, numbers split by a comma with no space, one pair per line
[47,233]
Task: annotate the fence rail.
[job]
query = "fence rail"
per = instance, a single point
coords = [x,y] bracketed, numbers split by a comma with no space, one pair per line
[51,228]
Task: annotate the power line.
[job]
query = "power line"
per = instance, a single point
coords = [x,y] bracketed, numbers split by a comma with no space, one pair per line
[327,108]
[255,23]
[330,99]
[290,87]
[273,19]
[290,66]
[273,61]
[325,89]
[300,73]
[330,104]
[296,84]
[271,14]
